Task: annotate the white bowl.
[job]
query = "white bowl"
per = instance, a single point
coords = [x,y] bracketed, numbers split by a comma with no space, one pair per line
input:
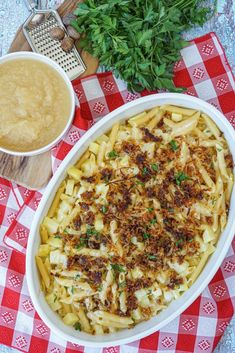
[41,58]
[176,307]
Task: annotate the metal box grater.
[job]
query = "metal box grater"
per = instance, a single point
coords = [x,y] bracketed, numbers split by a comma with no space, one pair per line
[36,30]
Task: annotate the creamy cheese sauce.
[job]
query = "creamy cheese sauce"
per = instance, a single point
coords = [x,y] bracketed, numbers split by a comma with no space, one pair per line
[34,105]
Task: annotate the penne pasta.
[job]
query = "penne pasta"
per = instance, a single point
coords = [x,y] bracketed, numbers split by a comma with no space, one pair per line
[136,219]
[56,201]
[185,126]
[43,272]
[178,110]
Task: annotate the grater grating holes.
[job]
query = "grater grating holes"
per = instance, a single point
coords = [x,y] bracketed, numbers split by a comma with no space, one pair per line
[44,44]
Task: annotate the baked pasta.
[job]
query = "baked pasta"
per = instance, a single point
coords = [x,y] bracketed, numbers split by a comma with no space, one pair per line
[135,220]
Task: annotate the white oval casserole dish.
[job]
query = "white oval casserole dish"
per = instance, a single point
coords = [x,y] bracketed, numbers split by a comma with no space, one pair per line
[143,329]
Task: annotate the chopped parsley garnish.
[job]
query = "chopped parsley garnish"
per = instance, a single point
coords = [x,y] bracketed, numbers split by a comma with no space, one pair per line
[77,276]
[72,289]
[100,288]
[91,231]
[122,284]
[146,235]
[150,209]
[77,326]
[219,149]
[140,183]
[152,257]
[154,167]
[57,236]
[153,221]
[174,145]
[117,268]
[113,154]
[145,171]
[103,209]
[66,231]
[55,298]
[82,243]
[181,177]
[178,242]
[213,201]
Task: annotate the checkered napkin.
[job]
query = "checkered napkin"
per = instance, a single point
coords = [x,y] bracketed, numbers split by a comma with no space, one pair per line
[204,71]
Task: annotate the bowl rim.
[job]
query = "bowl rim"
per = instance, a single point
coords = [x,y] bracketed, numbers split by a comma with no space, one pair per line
[51,189]
[44,59]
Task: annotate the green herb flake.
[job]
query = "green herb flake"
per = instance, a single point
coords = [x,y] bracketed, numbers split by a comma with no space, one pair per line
[82,243]
[138,182]
[117,268]
[100,288]
[77,276]
[150,209]
[66,231]
[103,209]
[57,236]
[113,154]
[145,171]
[153,221]
[77,326]
[146,235]
[179,242]
[174,145]
[152,257]
[155,167]
[55,298]
[72,289]
[179,177]
[139,40]
[91,231]
[219,149]
[122,284]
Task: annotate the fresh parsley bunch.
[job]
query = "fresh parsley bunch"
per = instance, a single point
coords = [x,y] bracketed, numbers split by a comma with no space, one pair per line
[139,40]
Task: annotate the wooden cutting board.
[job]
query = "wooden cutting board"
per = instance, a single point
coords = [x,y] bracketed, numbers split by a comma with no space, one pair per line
[35,172]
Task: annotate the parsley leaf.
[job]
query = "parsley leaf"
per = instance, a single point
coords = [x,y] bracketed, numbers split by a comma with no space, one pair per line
[77,326]
[138,40]
[153,221]
[113,154]
[122,284]
[178,242]
[103,209]
[100,288]
[152,257]
[140,183]
[146,235]
[181,177]
[145,171]
[117,268]
[174,145]
[91,231]
[154,167]
[150,209]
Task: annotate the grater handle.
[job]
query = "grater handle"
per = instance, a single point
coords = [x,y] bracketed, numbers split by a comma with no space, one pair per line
[31,4]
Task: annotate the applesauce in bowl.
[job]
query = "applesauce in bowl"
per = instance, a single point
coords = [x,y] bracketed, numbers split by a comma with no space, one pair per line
[36,103]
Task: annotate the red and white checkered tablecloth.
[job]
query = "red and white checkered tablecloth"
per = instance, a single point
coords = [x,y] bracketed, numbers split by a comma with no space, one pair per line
[204,71]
